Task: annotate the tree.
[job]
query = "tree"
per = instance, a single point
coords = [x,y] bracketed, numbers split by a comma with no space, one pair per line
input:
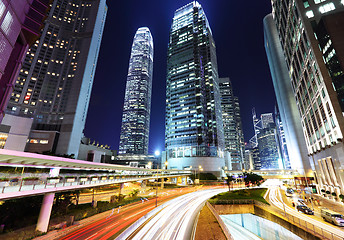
[230,180]
[252,178]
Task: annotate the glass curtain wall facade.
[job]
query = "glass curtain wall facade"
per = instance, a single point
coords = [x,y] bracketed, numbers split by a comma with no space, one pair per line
[194,125]
[232,127]
[55,82]
[137,102]
[315,90]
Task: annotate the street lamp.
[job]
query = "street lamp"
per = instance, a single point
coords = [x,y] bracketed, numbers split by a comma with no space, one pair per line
[166,164]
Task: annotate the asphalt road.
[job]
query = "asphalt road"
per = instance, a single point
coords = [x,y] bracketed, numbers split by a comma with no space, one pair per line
[177,217]
[116,221]
[316,223]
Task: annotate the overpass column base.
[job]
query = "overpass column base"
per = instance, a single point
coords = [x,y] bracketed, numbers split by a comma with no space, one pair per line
[44,214]
[162,183]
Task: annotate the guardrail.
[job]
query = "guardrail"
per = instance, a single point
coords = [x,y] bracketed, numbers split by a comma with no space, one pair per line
[303,224]
[27,185]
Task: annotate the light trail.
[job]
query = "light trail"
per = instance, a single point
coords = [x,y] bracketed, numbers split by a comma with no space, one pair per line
[276,200]
[176,219]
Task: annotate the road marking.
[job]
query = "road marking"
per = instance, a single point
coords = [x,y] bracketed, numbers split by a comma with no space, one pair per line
[91,236]
[111,226]
[136,213]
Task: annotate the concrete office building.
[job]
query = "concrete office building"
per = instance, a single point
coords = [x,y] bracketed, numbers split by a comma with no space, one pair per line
[311,36]
[194,135]
[232,126]
[289,114]
[55,82]
[137,101]
[20,24]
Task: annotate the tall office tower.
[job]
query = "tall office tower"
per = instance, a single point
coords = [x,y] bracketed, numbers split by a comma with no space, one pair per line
[301,25]
[20,23]
[269,154]
[55,82]
[137,101]
[194,129]
[281,140]
[289,114]
[232,127]
[253,142]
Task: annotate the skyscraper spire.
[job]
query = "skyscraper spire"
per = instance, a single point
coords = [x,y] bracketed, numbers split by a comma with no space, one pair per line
[137,102]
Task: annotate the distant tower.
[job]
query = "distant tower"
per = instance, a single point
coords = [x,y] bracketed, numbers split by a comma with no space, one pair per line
[232,127]
[266,119]
[257,127]
[137,101]
[194,130]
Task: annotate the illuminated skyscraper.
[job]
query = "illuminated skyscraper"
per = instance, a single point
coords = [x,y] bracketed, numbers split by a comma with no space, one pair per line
[137,102]
[311,37]
[20,23]
[194,129]
[232,127]
[55,82]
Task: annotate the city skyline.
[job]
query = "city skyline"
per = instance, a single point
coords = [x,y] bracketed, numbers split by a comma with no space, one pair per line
[107,133]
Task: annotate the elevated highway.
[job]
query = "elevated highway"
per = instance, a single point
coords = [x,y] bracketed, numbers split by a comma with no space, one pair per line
[76,174]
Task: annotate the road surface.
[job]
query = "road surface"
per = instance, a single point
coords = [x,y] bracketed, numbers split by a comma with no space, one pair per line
[176,219]
[316,223]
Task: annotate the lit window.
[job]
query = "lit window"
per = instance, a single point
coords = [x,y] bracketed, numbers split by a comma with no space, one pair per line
[327,7]
[319,1]
[43,141]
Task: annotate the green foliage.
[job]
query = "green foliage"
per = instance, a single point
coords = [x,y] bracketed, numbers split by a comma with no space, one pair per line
[63,201]
[341,196]
[253,178]
[255,194]
[229,181]
[207,176]
[328,192]
[334,194]
[322,190]
[19,213]
[134,193]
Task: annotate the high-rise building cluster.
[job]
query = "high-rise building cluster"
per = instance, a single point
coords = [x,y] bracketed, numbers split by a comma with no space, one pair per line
[267,149]
[303,40]
[47,107]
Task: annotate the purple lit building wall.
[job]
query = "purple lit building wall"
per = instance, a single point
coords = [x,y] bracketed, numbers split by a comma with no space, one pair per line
[20,24]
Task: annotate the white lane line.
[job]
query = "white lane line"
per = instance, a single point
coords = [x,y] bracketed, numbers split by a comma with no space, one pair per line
[91,236]
[137,213]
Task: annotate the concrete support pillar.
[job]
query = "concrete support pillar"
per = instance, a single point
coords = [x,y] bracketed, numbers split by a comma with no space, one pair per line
[179,180]
[121,187]
[184,180]
[44,215]
[162,183]
[143,185]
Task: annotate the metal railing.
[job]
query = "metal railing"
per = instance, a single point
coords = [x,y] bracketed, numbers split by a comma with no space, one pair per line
[303,224]
[27,185]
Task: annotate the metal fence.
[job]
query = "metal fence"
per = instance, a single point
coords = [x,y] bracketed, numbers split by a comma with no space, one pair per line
[303,224]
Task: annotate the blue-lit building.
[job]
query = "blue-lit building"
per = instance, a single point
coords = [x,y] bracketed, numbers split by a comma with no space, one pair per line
[194,135]
[269,154]
[232,127]
[137,101]
[55,82]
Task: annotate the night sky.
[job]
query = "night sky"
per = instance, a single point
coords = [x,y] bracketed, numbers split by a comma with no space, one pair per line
[237,27]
